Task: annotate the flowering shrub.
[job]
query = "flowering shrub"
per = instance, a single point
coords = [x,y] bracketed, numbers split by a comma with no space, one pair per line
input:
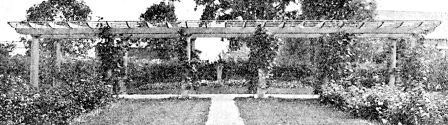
[80,91]
[14,73]
[387,104]
[437,74]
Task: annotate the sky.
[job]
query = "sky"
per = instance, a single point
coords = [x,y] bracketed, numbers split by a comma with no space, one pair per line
[15,10]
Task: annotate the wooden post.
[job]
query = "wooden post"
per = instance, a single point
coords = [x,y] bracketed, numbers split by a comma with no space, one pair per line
[219,73]
[34,64]
[393,64]
[262,86]
[122,83]
[56,82]
[189,49]
[188,82]
[58,55]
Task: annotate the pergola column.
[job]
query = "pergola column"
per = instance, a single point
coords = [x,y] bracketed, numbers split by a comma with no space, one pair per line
[122,82]
[189,45]
[262,86]
[34,63]
[188,82]
[219,68]
[58,62]
[393,62]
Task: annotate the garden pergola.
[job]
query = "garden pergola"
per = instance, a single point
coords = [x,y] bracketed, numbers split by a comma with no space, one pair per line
[395,29]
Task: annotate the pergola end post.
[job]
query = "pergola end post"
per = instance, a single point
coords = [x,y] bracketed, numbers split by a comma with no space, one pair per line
[34,63]
[393,65]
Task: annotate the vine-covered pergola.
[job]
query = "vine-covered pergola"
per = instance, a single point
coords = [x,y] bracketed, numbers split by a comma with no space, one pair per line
[396,29]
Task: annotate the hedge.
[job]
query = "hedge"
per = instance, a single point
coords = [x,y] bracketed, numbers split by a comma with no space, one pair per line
[168,72]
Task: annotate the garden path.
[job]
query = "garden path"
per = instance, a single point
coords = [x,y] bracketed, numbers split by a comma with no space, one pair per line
[223,111]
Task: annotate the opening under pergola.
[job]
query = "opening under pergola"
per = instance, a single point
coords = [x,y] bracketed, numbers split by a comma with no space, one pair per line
[396,29]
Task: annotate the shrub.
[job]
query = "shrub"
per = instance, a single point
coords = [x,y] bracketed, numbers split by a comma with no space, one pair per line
[438,74]
[14,73]
[387,104]
[80,91]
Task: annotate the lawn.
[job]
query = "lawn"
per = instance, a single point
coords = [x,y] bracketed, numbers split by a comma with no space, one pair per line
[291,112]
[151,112]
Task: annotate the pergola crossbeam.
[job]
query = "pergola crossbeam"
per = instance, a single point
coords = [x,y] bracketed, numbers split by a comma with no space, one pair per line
[231,28]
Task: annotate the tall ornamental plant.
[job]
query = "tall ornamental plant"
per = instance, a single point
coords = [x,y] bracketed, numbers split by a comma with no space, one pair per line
[263,50]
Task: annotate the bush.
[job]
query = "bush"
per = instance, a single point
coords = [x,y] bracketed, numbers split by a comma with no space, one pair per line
[389,105]
[80,91]
[438,74]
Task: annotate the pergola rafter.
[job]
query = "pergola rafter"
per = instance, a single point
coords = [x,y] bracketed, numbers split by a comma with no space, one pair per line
[226,28]
[400,29]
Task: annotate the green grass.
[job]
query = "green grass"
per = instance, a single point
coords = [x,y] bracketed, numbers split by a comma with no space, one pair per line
[292,112]
[151,112]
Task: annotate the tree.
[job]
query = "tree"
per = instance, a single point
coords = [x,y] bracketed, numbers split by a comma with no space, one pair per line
[338,9]
[67,10]
[245,9]
[165,48]
[159,13]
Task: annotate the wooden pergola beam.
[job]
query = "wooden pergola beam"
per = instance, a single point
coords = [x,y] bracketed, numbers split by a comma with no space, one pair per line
[210,32]
[89,36]
[223,28]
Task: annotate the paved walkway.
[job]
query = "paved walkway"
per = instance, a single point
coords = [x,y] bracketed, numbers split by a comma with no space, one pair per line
[223,110]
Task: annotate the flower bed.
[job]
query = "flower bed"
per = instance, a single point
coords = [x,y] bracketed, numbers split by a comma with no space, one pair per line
[387,104]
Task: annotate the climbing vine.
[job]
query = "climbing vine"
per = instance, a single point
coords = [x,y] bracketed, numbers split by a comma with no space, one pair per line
[110,53]
[263,50]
